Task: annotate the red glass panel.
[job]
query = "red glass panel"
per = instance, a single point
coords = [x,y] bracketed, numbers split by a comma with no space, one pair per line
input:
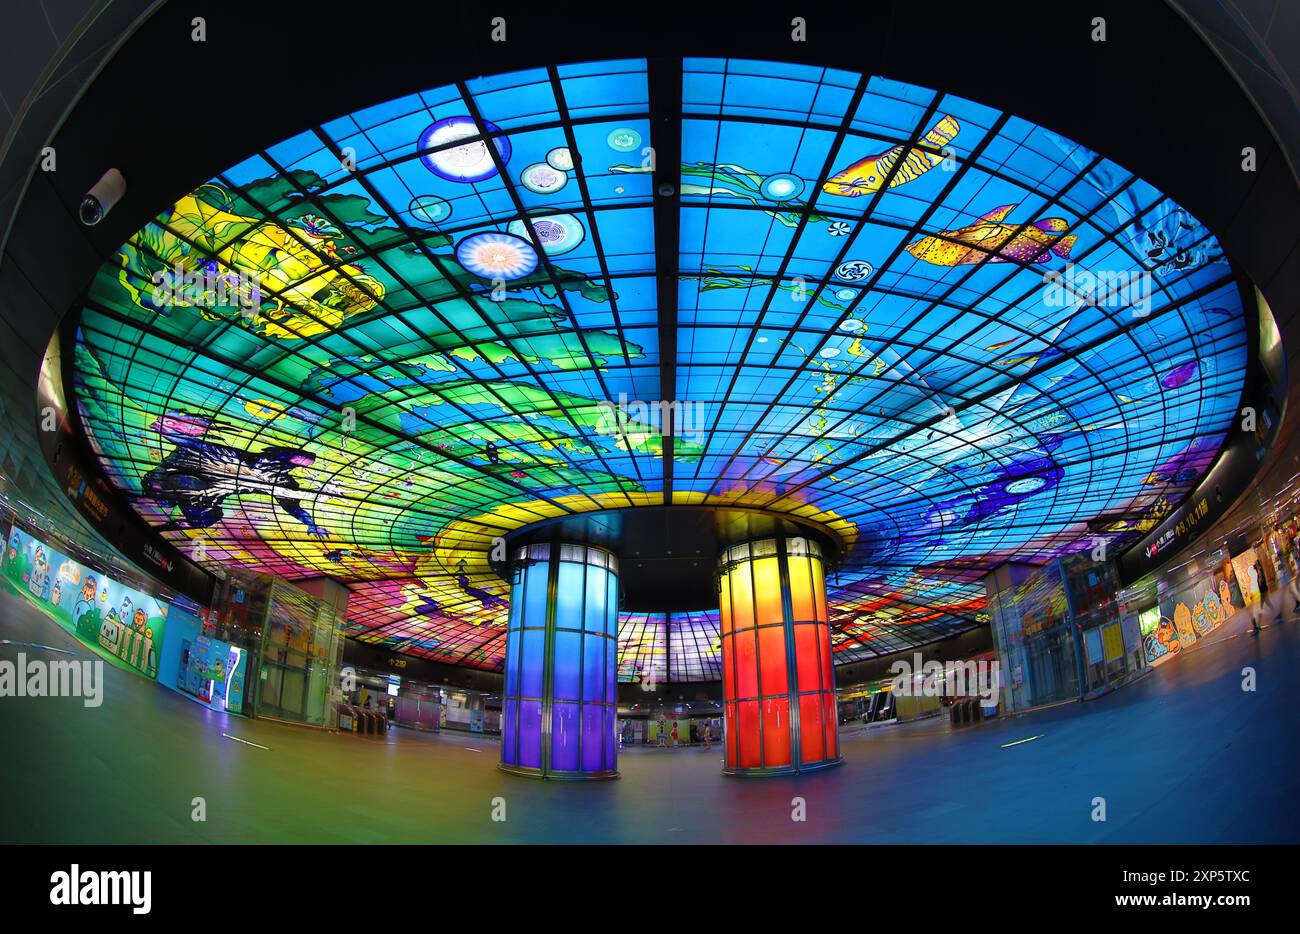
[732,731]
[832,726]
[749,756]
[746,665]
[807,663]
[828,663]
[776,732]
[771,653]
[811,743]
[728,667]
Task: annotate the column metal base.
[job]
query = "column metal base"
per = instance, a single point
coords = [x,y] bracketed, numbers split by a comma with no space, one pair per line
[530,772]
[768,772]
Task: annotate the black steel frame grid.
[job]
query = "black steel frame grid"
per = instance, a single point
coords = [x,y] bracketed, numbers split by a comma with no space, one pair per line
[591,208]
[833,153]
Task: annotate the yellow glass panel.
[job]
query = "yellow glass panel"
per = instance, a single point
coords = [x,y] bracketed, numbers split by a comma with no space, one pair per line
[801,591]
[742,597]
[724,603]
[819,589]
[767,591]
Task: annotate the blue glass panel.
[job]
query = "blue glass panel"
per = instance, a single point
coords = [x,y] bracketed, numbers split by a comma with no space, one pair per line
[568,596]
[532,662]
[530,734]
[595,653]
[611,605]
[593,738]
[611,660]
[565,737]
[535,595]
[566,664]
[517,600]
[510,732]
[513,663]
[598,586]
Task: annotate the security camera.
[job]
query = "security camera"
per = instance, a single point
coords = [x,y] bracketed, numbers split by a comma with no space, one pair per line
[100,200]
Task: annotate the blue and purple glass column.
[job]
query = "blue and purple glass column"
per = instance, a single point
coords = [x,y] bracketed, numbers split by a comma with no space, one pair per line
[561,702]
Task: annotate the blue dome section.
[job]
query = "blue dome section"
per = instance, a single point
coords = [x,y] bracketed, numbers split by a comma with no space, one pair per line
[951,336]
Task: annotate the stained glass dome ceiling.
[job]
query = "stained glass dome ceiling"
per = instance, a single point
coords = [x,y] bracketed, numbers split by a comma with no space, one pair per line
[372,348]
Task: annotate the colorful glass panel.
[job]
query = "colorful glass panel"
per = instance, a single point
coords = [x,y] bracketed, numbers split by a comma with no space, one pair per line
[951,335]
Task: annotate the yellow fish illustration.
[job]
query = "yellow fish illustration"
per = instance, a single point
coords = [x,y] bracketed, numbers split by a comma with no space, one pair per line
[867,175]
[990,237]
[308,287]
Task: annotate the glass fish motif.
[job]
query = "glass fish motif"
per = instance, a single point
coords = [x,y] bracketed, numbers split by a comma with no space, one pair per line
[990,237]
[866,176]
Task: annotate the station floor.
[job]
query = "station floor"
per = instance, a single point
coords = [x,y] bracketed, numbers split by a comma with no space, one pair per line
[1183,755]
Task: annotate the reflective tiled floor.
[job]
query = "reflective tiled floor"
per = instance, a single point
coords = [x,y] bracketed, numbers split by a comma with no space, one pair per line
[1183,755]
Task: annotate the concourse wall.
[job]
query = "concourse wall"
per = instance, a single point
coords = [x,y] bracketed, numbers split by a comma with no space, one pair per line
[136,624]
[1216,589]
[123,622]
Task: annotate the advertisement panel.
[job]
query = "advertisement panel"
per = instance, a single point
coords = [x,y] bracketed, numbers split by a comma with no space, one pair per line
[215,673]
[1165,635]
[1247,575]
[119,620]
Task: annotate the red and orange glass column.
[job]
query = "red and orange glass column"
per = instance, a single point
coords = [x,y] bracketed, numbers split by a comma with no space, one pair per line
[778,681]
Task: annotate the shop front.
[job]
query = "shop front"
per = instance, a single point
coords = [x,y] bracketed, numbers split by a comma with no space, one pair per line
[301,647]
[196,663]
[1058,632]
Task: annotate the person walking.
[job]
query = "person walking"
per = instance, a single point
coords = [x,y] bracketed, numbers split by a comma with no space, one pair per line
[1257,575]
[708,735]
[1288,570]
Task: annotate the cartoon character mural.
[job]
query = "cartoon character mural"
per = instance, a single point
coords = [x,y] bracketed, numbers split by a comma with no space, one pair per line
[1211,611]
[1183,622]
[38,583]
[122,614]
[69,577]
[1165,637]
[102,612]
[86,602]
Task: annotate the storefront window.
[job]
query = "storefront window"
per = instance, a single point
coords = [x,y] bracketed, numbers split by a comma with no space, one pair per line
[1059,634]
[300,656]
